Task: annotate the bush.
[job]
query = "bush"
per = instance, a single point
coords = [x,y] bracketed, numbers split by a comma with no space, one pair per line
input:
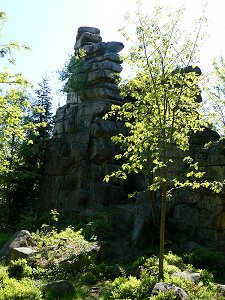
[89,278]
[18,269]
[175,260]
[55,247]
[127,288]
[139,261]
[11,289]
[210,259]
[165,296]
[103,271]
[99,228]
[196,291]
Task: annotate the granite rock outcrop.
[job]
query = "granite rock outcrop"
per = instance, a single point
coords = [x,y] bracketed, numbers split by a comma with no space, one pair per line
[81,153]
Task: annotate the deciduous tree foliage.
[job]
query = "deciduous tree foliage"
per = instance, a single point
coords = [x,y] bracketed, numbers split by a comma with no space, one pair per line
[13,105]
[215,96]
[27,170]
[14,124]
[164,111]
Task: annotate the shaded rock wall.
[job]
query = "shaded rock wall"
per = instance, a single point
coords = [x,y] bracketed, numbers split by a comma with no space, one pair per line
[200,214]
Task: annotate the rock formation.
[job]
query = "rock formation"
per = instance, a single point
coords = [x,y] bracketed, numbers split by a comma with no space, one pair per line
[81,152]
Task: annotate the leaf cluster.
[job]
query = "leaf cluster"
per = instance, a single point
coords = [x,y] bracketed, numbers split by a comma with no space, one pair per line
[214,104]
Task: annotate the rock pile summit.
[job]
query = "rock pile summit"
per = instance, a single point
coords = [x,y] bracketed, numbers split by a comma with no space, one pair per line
[101,65]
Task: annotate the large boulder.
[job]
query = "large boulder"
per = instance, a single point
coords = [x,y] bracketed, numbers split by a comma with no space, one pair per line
[20,239]
[59,289]
[21,252]
[221,289]
[166,287]
[82,259]
[187,275]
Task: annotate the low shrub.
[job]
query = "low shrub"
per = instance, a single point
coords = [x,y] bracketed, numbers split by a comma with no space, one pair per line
[19,269]
[54,247]
[12,289]
[165,296]
[205,258]
[104,271]
[127,288]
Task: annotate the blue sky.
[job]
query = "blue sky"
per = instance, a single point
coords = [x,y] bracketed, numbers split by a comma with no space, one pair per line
[49,28]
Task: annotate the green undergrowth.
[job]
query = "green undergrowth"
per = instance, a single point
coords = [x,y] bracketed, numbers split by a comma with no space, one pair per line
[140,287]
[22,288]
[73,255]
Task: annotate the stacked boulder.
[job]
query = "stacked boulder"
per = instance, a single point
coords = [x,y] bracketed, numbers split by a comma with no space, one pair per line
[81,152]
[102,64]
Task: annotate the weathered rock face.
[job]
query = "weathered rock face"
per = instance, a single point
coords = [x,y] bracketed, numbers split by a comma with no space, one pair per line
[201,213]
[187,275]
[81,153]
[198,215]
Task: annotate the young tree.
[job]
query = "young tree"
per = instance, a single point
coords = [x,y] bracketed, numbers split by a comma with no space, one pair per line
[14,106]
[164,112]
[74,74]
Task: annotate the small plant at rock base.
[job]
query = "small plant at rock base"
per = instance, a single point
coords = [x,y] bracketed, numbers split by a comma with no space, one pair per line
[165,296]
[54,217]
[19,269]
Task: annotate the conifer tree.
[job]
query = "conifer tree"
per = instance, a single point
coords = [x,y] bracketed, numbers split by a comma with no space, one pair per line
[25,178]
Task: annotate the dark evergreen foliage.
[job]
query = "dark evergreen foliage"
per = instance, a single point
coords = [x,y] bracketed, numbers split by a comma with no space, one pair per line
[22,183]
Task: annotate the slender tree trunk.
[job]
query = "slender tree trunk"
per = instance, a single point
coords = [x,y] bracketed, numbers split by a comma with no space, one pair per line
[8,184]
[162,232]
